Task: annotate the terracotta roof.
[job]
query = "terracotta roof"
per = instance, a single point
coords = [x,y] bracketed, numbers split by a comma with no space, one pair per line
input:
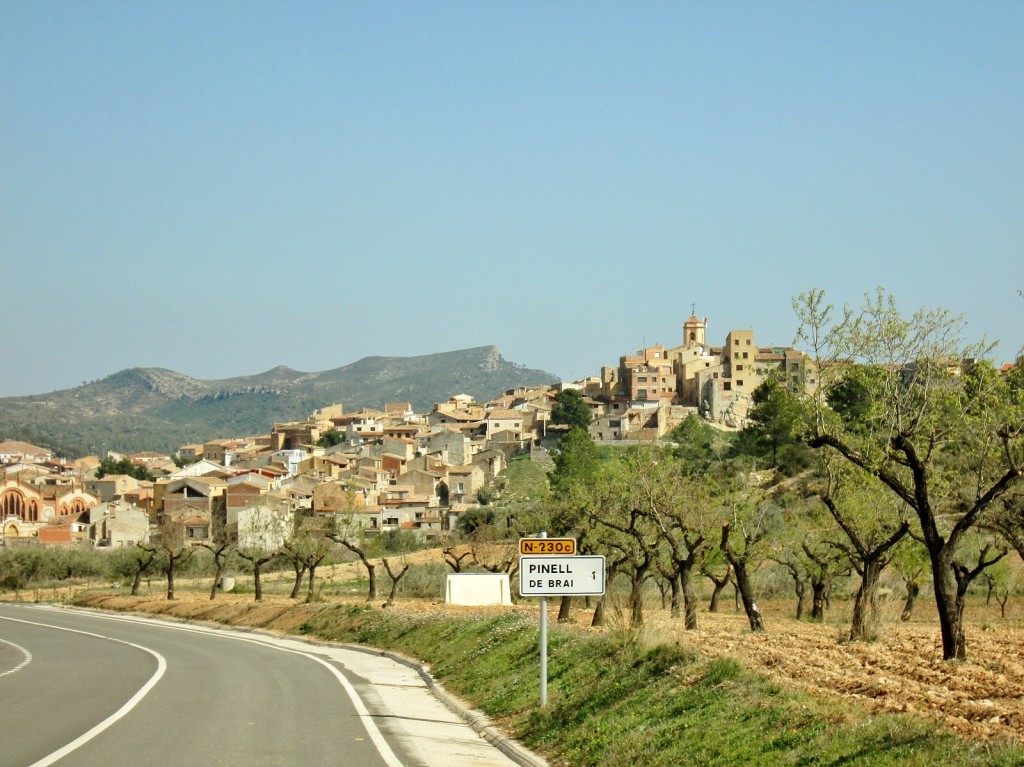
[504,415]
[460,415]
[12,446]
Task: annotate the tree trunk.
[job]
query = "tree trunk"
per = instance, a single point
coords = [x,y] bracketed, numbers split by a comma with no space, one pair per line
[137,581]
[800,586]
[394,580]
[310,594]
[689,597]
[563,609]
[950,607]
[371,572]
[218,558]
[819,600]
[170,578]
[257,583]
[300,570]
[913,589]
[746,593]
[675,585]
[598,619]
[716,594]
[663,591]
[636,600]
[864,626]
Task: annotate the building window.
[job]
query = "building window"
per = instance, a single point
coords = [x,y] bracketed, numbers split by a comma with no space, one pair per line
[748,342]
[744,355]
[739,367]
[739,383]
[727,386]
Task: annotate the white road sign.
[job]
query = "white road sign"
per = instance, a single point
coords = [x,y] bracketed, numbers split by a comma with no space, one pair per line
[548,576]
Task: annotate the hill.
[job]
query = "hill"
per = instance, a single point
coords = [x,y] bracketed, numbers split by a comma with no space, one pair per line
[157,409]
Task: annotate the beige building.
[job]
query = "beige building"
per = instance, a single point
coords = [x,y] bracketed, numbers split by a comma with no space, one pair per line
[117,524]
[716,381]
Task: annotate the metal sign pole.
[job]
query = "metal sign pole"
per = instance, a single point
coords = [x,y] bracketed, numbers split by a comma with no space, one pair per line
[549,567]
[543,644]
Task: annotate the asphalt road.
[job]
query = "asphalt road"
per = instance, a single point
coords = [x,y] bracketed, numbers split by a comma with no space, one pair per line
[95,690]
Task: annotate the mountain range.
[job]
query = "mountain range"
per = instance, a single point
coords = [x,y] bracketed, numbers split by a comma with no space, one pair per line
[157,409]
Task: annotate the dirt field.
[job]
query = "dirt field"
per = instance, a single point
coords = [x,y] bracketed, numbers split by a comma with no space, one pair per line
[904,671]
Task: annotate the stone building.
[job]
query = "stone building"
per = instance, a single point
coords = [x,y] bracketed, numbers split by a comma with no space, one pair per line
[650,392]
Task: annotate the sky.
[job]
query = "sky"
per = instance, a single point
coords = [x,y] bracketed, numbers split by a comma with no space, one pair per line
[221,188]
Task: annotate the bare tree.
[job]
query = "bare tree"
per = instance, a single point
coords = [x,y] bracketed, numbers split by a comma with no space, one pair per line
[825,564]
[310,543]
[220,546]
[350,533]
[262,531]
[141,558]
[741,543]
[709,569]
[453,557]
[172,550]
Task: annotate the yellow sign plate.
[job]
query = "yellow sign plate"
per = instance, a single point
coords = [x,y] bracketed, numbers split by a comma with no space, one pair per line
[539,546]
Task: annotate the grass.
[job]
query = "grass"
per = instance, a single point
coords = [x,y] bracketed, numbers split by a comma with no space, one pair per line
[615,699]
[525,478]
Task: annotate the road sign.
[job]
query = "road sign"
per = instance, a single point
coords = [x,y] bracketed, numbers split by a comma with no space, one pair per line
[537,546]
[551,576]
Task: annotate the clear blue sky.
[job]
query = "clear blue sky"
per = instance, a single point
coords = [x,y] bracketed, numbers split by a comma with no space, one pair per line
[219,188]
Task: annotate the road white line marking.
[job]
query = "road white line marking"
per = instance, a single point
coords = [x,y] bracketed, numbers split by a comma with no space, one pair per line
[81,740]
[371,726]
[20,666]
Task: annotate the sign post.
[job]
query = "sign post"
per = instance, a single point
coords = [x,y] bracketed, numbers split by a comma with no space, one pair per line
[543,634]
[550,567]
[561,576]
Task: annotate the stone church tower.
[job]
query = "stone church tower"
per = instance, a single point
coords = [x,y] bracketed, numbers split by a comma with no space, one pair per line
[693,331]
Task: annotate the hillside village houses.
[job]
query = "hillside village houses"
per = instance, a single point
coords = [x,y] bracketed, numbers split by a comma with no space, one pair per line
[386,469]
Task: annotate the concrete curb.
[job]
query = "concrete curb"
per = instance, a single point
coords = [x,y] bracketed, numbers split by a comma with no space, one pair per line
[478,720]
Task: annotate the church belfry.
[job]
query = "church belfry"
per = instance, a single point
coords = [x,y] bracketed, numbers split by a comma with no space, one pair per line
[693,330]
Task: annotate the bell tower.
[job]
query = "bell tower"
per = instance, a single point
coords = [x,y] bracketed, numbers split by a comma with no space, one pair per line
[693,330]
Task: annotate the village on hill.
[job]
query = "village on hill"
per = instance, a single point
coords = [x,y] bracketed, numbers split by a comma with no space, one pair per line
[389,469]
